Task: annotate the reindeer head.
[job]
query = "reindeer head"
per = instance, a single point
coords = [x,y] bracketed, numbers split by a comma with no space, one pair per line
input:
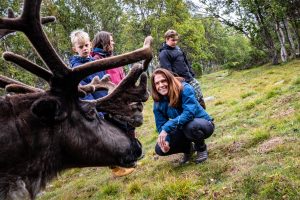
[57,116]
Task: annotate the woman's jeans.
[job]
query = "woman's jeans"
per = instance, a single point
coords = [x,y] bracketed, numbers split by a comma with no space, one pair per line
[181,139]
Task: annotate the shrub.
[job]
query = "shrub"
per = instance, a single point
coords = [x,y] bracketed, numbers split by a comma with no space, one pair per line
[232,65]
[297,81]
[250,105]
[279,187]
[110,190]
[197,69]
[273,93]
[258,136]
[248,94]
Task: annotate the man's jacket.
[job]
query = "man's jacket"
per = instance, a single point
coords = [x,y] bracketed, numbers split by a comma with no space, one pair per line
[174,60]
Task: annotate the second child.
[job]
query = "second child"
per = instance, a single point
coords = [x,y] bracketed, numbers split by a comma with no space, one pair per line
[103,46]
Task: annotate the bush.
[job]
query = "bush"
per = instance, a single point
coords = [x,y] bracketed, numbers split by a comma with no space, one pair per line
[232,65]
[197,69]
[257,57]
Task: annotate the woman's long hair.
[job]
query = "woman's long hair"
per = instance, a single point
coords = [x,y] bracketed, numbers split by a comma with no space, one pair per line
[102,40]
[174,87]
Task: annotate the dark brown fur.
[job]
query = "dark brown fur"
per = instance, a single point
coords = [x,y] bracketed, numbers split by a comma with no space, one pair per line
[45,132]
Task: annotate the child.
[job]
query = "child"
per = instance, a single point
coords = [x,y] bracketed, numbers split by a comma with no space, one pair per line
[82,46]
[103,46]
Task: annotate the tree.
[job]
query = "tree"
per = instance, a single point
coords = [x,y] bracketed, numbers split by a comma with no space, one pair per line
[267,22]
[157,16]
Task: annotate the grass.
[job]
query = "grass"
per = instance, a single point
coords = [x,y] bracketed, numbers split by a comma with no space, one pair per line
[253,154]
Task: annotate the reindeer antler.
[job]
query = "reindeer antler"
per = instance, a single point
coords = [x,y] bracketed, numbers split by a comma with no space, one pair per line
[30,23]
[12,85]
[65,80]
[125,100]
[97,84]
[111,62]
[4,32]
[26,64]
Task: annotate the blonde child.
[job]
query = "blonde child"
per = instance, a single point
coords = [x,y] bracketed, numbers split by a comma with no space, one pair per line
[81,45]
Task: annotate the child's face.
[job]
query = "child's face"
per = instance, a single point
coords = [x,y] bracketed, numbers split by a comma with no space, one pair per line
[172,42]
[110,47]
[111,42]
[83,48]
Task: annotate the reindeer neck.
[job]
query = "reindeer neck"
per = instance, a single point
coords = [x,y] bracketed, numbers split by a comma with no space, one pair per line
[38,149]
[40,168]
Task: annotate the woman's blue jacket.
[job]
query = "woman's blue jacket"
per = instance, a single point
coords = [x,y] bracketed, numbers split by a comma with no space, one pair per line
[169,118]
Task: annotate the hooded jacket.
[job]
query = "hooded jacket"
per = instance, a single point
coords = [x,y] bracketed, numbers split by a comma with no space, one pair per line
[169,118]
[76,61]
[174,60]
[116,74]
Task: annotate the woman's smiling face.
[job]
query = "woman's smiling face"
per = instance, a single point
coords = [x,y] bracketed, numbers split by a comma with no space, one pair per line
[161,84]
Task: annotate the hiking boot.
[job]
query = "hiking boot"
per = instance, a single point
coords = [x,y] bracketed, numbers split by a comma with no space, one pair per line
[121,171]
[187,156]
[201,156]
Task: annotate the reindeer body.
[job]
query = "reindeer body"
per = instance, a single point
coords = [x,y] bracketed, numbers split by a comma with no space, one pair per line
[33,149]
[45,132]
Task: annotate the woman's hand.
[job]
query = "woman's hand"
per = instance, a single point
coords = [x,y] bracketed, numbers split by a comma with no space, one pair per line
[162,143]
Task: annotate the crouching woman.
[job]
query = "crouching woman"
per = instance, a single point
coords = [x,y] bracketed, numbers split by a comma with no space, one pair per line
[180,120]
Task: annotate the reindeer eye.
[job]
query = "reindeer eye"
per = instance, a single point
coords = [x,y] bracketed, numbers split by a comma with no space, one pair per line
[88,111]
[91,114]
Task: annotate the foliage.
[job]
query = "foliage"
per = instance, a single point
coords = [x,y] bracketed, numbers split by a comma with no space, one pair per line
[197,69]
[271,25]
[225,47]
[208,43]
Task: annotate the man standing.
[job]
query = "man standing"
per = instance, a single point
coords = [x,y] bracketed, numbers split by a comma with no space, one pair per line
[172,58]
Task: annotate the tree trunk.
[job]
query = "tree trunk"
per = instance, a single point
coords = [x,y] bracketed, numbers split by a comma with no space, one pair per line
[290,38]
[296,31]
[281,39]
[266,34]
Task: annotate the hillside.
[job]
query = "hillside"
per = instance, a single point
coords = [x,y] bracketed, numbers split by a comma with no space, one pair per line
[253,154]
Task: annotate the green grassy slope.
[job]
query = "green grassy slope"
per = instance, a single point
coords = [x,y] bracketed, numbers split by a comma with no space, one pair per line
[253,154]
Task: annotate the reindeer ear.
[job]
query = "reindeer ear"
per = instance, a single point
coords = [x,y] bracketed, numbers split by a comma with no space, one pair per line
[48,109]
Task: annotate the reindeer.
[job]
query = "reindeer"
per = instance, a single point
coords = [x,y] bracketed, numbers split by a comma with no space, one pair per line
[43,132]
